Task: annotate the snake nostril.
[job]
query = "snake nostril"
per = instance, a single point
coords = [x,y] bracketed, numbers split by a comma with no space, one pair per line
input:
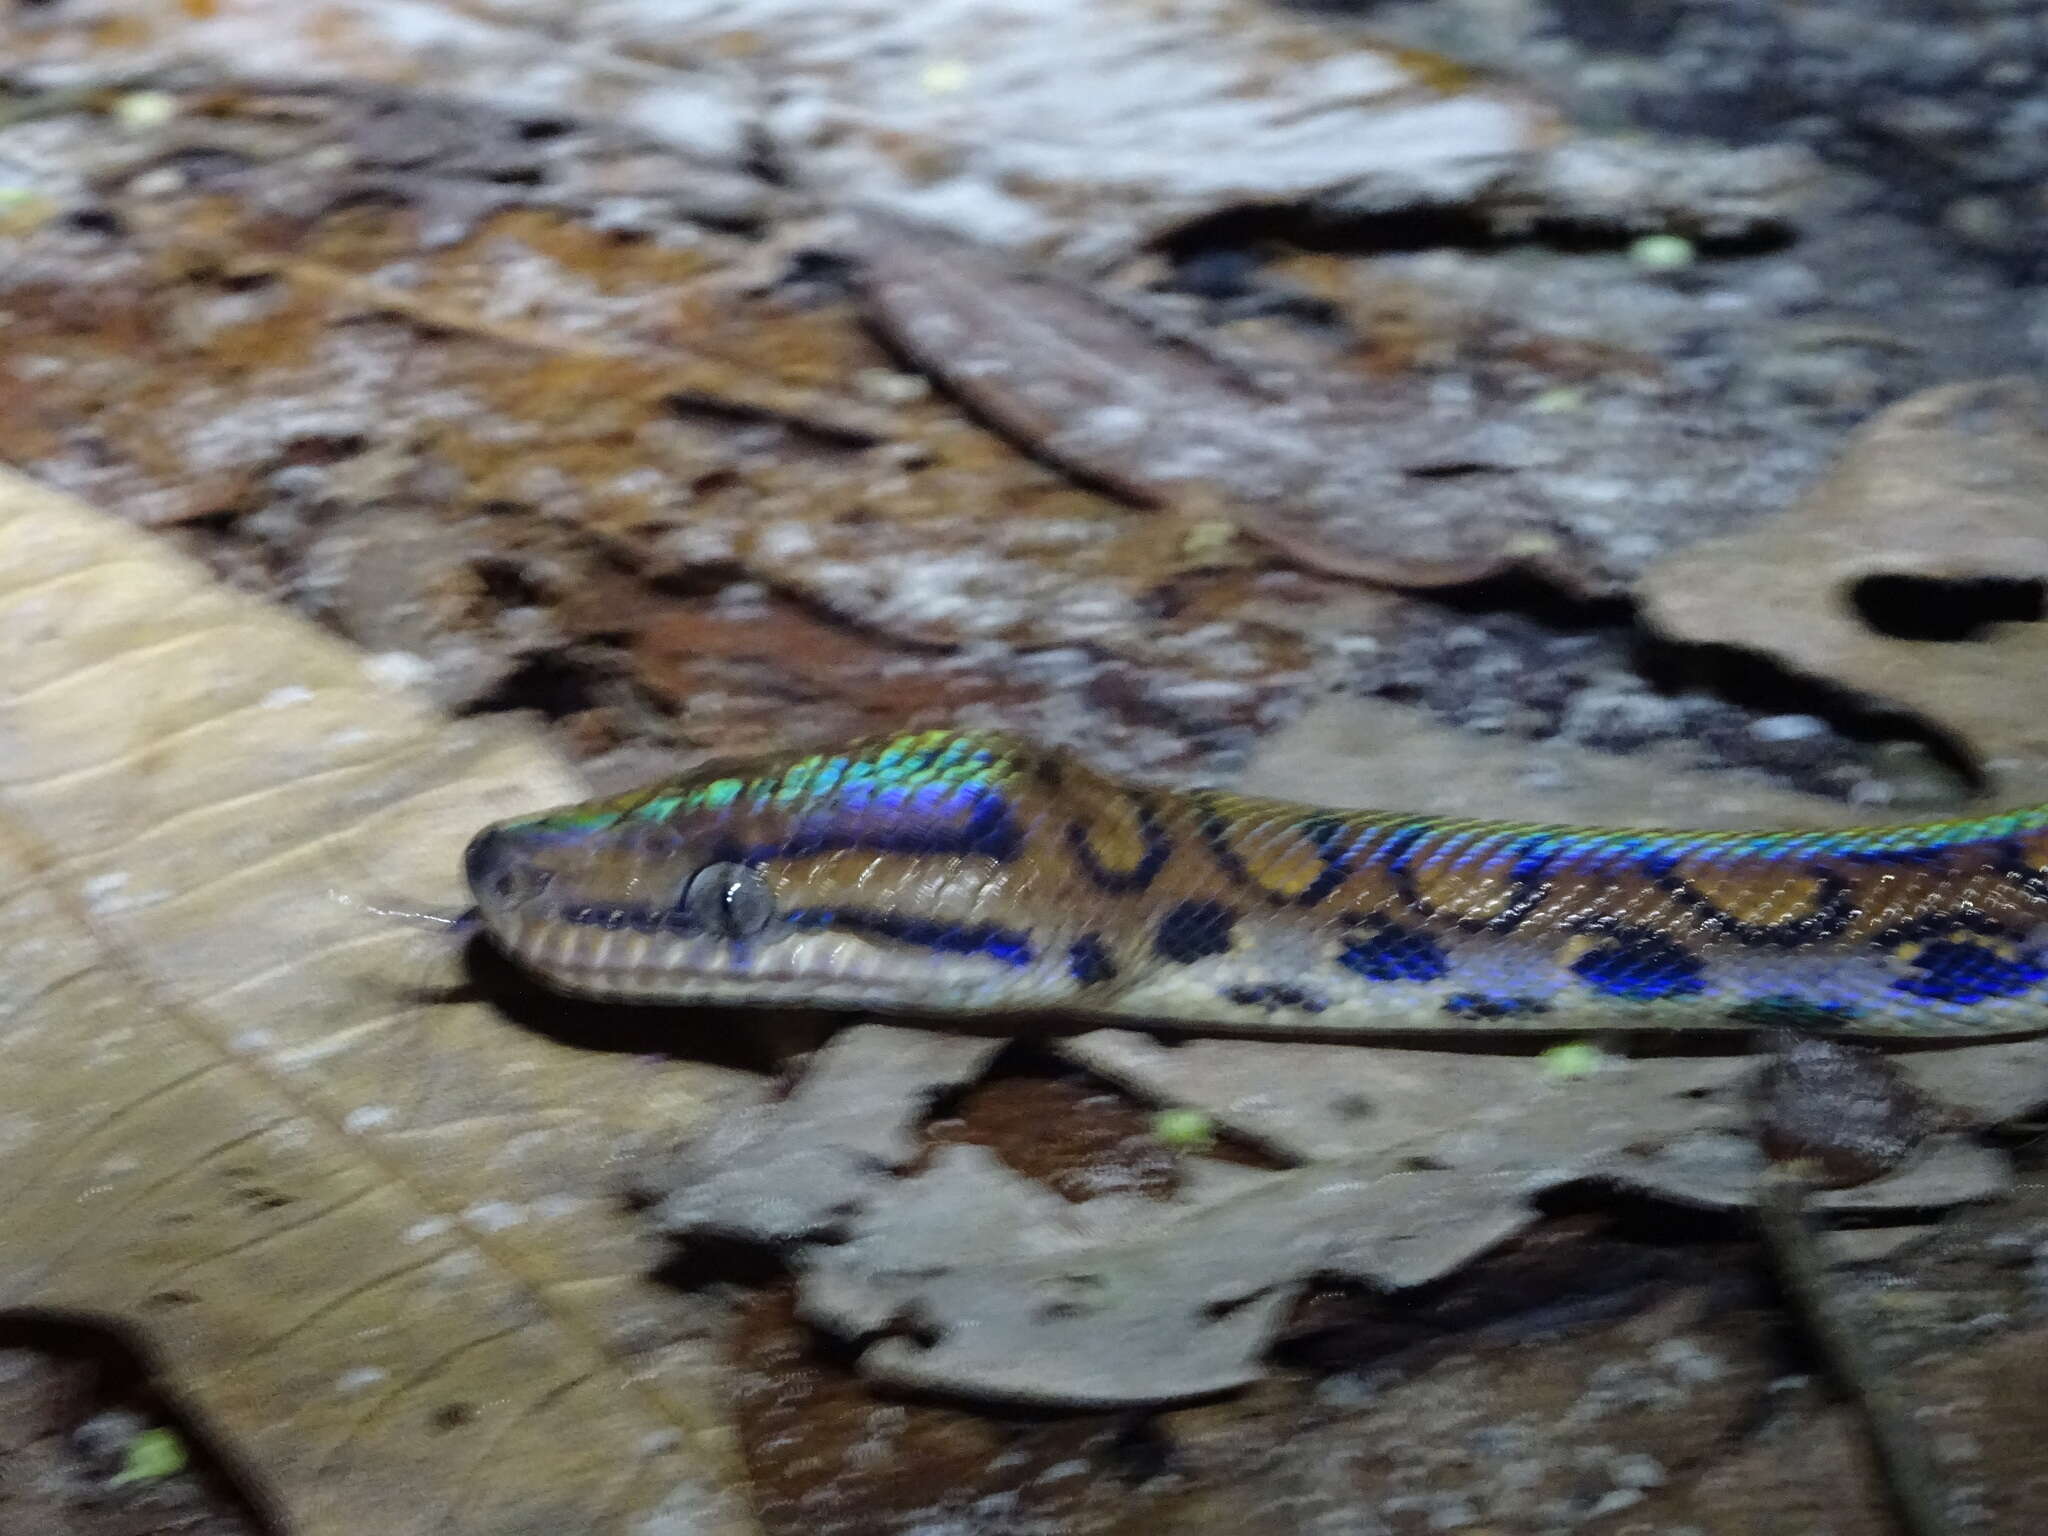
[483,863]
[501,871]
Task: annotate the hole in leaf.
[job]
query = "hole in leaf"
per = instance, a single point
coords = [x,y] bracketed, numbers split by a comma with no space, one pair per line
[454,1415]
[1938,608]
[1452,469]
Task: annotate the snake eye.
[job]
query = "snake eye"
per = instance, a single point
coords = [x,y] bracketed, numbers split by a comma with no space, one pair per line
[731,900]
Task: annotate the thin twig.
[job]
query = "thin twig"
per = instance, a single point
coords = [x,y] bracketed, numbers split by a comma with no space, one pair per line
[1911,1478]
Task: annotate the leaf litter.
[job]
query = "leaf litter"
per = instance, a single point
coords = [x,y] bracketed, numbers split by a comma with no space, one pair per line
[463,254]
[1049,122]
[967,1277]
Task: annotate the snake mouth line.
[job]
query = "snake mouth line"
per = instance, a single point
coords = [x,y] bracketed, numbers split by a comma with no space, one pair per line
[656,985]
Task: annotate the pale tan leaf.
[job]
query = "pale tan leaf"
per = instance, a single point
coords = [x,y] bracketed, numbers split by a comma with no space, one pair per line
[1352,751]
[370,1238]
[1947,486]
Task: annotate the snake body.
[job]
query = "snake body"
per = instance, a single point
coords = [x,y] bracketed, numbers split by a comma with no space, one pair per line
[972,872]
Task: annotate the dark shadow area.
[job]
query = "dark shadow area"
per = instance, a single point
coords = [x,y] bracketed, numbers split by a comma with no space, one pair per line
[1761,684]
[99,1367]
[1581,1266]
[1536,597]
[747,1039]
[1414,230]
[556,685]
[1943,608]
[715,408]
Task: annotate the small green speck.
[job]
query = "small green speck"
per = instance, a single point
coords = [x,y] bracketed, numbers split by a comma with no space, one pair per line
[145,109]
[1555,402]
[1187,1130]
[1574,1059]
[1662,253]
[153,1454]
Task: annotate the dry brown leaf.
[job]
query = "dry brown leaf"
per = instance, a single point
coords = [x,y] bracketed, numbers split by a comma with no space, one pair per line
[1165,426]
[370,1238]
[1947,486]
[617,432]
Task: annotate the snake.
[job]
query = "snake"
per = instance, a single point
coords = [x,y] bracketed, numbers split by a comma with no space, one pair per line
[970,872]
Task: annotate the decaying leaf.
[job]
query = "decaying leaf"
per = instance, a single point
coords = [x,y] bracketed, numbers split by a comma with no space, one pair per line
[1160,423]
[1404,478]
[1675,1128]
[802,1168]
[608,448]
[1943,490]
[969,1278]
[370,1238]
[1051,121]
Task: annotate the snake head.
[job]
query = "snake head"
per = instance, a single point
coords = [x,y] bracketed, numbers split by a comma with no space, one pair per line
[892,873]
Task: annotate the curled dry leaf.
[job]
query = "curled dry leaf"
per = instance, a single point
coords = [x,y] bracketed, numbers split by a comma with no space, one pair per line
[369,1238]
[1168,427]
[1935,508]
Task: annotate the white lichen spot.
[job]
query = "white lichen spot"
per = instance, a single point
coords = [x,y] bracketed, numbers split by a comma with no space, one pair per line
[427,1229]
[368,1117]
[252,1040]
[785,541]
[886,386]
[1687,1361]
[691,1509]
[285,697]
[101,892]
[398,669]
[361,1377]
[494,1216]
[1614,1502]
